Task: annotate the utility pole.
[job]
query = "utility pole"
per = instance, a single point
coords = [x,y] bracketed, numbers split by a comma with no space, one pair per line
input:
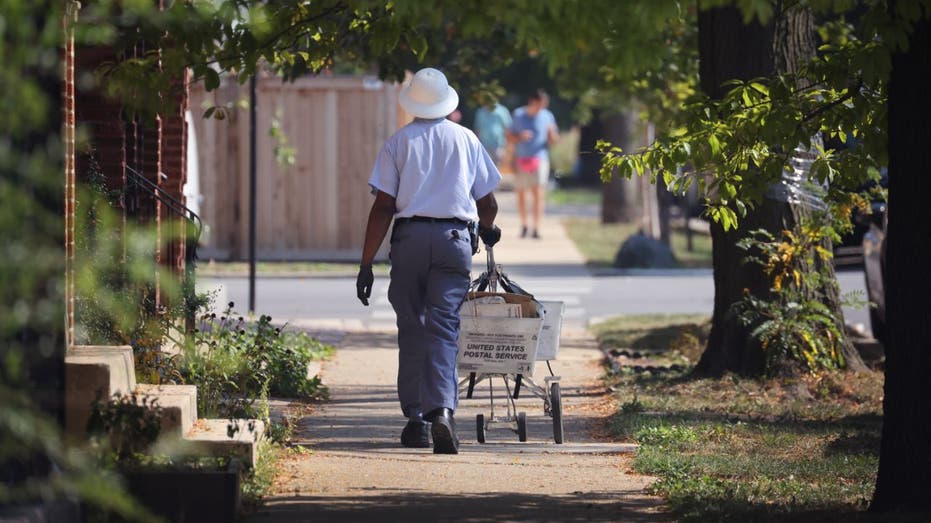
[252,188]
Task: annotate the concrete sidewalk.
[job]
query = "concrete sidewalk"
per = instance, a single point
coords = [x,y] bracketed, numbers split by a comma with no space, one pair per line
[553,248]
[359,472]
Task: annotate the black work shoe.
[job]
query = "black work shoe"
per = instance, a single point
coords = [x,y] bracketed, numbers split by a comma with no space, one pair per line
[535,235]
[523,232]
[443,429]
[416,435]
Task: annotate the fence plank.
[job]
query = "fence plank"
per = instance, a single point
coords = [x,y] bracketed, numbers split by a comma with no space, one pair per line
[315,209]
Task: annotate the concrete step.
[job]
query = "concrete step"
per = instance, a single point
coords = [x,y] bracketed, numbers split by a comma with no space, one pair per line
[178,405]
[239,438]
[91,372]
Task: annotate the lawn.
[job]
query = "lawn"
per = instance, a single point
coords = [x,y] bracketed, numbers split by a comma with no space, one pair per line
[574,196]
[600,242]
[740,449]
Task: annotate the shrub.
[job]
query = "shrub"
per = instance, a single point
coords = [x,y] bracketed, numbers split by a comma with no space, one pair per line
[236,364]
[791,323]
[289,358]
[124,428]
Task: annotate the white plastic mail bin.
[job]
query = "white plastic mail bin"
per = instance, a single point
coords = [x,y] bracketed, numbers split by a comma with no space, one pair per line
[548,348]
[496,345]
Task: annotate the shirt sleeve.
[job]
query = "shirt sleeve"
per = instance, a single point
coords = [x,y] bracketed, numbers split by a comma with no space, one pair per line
[486,174]
[505,116]
[552,120]
[385,176]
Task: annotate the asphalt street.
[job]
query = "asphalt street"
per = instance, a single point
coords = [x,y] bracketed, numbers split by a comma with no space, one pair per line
[551,268]
[587,298]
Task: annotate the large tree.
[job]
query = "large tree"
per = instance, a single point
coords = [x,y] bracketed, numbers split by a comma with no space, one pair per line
[848,98]
[904,478]
[730,49]
[755,139]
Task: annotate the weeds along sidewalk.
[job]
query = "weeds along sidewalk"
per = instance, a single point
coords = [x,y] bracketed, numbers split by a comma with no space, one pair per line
[357,470]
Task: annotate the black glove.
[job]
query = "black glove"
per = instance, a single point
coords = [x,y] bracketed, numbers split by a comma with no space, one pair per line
[364,283]
[489,235]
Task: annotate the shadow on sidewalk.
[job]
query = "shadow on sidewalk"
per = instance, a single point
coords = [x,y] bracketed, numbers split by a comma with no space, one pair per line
[395,505]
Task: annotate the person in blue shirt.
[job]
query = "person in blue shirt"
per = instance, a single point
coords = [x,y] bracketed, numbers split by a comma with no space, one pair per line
[491,125]
[435,180]
[533,130]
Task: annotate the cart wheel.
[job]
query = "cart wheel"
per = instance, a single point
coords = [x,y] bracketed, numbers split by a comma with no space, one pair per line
[556,411]
[480,428]
[522,426]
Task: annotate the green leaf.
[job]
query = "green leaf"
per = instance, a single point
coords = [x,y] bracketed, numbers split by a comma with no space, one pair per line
[715,145]
[419,45]
[211,79]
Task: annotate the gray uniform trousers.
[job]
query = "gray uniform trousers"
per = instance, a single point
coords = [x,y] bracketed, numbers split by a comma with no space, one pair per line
[430,275]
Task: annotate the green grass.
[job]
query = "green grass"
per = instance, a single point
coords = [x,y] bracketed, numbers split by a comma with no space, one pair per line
[257,482]
[674,335]
[740,449]
[600,242]
[574,196]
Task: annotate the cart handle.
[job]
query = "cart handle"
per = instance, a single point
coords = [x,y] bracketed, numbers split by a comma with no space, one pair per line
[491,269]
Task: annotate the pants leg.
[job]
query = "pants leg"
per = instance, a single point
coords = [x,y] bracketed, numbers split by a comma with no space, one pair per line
[406,293]
[447,285]
[429,279]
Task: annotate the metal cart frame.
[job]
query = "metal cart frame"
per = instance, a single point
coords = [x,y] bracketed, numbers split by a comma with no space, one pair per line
[549,392]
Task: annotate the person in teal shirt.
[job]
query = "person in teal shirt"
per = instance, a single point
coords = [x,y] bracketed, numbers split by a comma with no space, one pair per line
[533,130]
[491,126]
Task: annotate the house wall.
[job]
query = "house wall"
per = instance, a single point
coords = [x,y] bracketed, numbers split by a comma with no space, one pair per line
[154,149]
[315,209]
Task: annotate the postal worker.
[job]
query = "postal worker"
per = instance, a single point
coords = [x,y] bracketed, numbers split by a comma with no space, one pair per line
[436,180]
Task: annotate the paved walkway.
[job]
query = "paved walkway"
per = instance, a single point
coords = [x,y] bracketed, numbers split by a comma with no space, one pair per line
[359,472]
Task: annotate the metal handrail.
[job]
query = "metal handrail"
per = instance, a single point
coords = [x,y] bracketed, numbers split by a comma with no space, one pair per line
[173,204]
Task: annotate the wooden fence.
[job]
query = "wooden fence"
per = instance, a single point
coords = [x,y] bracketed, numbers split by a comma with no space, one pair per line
[315,209]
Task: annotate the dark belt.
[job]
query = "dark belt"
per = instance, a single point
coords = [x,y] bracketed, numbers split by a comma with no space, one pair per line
[430,219]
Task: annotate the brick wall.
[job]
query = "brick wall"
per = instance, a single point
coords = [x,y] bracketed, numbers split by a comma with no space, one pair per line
[156,150]
[174,166]
[68,139]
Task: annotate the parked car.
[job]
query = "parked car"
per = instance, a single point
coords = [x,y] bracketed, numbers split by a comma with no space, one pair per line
[874,258]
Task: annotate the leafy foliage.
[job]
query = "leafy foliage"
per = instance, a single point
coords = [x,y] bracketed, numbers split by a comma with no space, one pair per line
[237,365]
[791,323]
[124,427]
[115,281]
[604,51]
[738,146]
[29,437]
[37,466]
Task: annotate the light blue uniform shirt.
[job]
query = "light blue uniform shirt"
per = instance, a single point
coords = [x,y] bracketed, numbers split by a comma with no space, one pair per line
[536,146]
[434,168]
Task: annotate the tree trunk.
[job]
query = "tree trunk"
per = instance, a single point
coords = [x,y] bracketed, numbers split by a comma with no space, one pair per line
[619,196]
[664,202]
[904,478]
[589,159]
[728,49]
